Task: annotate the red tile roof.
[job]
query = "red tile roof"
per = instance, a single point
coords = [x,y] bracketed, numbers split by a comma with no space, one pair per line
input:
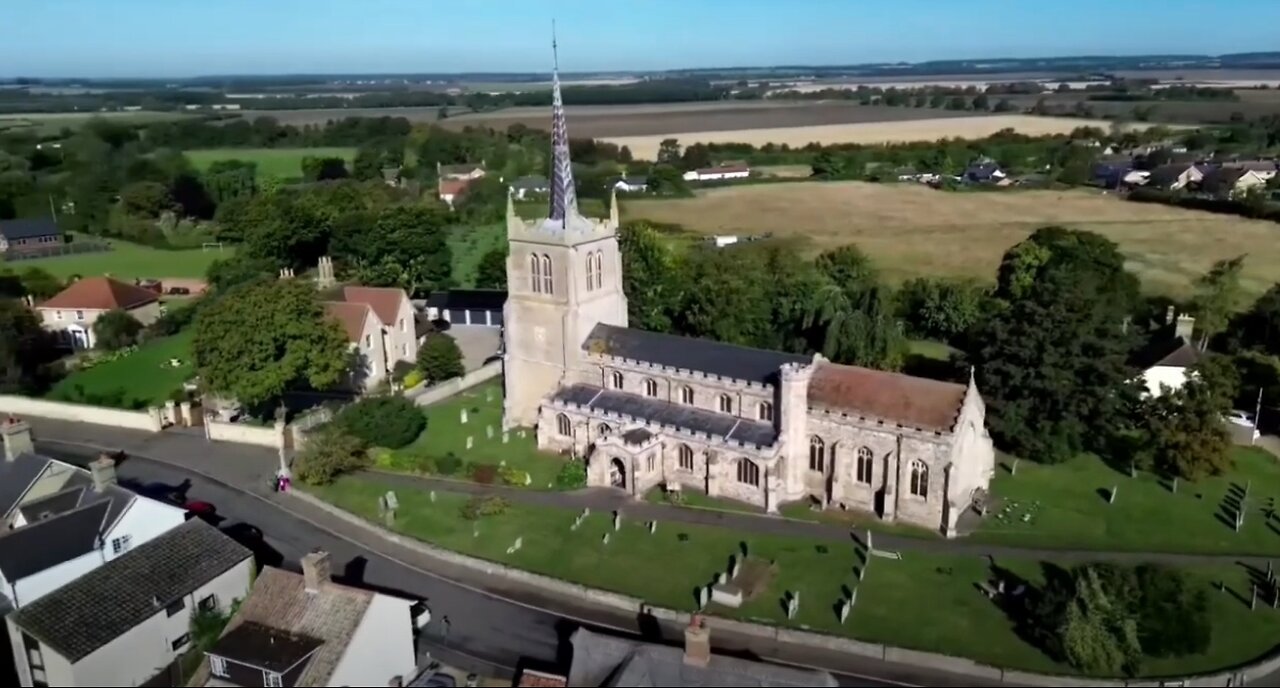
[385,301]
[537,679]
[912,401]
[101,293]
[453,187]
[350,315]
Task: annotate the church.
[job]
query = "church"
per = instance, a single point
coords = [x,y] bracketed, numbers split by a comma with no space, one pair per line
[646,410]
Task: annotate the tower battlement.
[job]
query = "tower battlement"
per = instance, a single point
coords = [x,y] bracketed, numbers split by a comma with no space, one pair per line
[572,230]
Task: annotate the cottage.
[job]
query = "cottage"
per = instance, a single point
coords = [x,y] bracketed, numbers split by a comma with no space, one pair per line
[1165,363]
[126,623]
[1265,169]
[1174,176]
[17,236]
[715,174]
[381,328]
[70,313]
[1231,182]
[633,184]
[984,172]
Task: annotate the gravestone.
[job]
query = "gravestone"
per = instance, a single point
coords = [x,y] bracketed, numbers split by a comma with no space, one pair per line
[462,417]
[727,595]
[870,547]
[721,578]
[392,502]
[471,441]
[653,527]
[853,599]
[1175,484]
[1013,468]
[515,546]
[605,539]
[1253,601]
[586,511]
[1111,498]
[432,496]
[793,605]
[522,434]
[488,395]
[475,530]
[488,431]
[506,436]
[617,520]
[844,611]
[704,594]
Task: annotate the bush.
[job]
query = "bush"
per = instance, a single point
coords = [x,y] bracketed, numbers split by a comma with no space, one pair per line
[116,329]
[513,476]
[174,320]
[440,358]
[385,421]
[413,379]
[401,370]
[449,464]
[484,473]
[572,475]
[477,508]
[330,452]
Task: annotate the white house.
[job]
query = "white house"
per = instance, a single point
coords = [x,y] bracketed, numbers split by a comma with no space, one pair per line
[71,312]
[127,622]
[1165,365]
[631,184]
[715,174]
[381,328]
[306,630]
[63,521]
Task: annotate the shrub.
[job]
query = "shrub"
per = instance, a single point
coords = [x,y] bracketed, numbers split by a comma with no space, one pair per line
[116,329]
[174,320]
[330,452]
[449,464]
[477,508]
[484,473]
[401,371]
[513,476]
[413,378]
[440,358]
[385,421]
[572,475]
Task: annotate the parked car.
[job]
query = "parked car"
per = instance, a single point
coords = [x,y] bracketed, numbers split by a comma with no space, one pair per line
[1240,418]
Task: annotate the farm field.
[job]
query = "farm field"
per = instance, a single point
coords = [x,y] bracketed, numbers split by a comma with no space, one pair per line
[285,163]
[127,262]
[912,230]
[53,122]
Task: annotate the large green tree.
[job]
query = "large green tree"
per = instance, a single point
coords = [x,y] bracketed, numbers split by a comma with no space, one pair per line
[1099,632]
[940,308]
[116,329]
[854,312]
[651,277]
[404,246]
[491,273]
[263,338]
[1218,296]
[229,179]
[440,358]
[25,348]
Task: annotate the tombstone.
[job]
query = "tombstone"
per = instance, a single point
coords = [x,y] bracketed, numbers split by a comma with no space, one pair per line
[1253,601]
[1175,484]
[844,611]
[575,524]
[471,441]
[506,437]
[522,434]
[1247,486]
[722,578]
[793,605]
[502,462]
[515,546]
[853,599]
[433,496]
[488,431]
[733,569]
[475,530]
[617,520]
[743,546]
[1133,470]
[1239,519]
[488,395]
[653,527]
[1111,498]
[528,479]
[1013,468]
[586,511]
[605,539]
[463,417]
[704,595]
[870,547]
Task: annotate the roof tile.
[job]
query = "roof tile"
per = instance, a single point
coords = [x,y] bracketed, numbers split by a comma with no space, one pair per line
[912,401]
[101,293]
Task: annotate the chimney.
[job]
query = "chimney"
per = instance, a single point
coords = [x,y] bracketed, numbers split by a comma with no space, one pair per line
[1184,326]
[17,438]
[103,470]
[315,570]
[697,642]
[1169,314]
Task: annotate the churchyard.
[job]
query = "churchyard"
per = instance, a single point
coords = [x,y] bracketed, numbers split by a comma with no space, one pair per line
[884,601]
[133,380]
[128,261]
[281,163]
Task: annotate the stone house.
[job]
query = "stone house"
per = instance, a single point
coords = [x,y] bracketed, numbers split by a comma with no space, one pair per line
[70,313]
[381,328]
[126,623]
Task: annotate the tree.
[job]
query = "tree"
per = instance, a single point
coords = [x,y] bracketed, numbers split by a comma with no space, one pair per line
[1187,435]
[146,199]
[25,348]
[1005,105]
[1217,297]
[329,453]
[491,273]
[403,246]
[667,179]
[224,274]
[981,102]
[266,337]
[440,358]
[669,152]
[940,308]
[40,283]
[116,329]
[230,179]
[319,169]
[651,278]
[1099,634]
[1173,613]
[368,163]
[854,313]
[696,157]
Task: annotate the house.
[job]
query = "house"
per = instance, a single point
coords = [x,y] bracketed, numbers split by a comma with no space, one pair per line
[17,236]
[721,173]
[129,621]
[1231,182]
[602,660]
[633,184]
[450,190]
[380,326]
[528,187]
[465,171]
[391,176]
[306,630]
[1265,169]
[62,521]
[1174,176]
[467,306]
[1165,362]
[70,313]
[1111,172]
[984,172]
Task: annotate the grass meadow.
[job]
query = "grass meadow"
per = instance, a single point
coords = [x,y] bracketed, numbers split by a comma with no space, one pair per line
[127,262]
[284,163]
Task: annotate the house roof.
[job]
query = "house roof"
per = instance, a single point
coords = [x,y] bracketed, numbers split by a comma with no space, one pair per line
[600,660]
[101,293]
[16,477]
[1253,165]
[28,228]
[453,187]
[912,401]
[1166,175]
[33,548]
[690,353]
[477,299]
[464,168]
[351,316]
[385,301]
[102,605]
[1170,352]
[637,180]
[688,418]
[265,647]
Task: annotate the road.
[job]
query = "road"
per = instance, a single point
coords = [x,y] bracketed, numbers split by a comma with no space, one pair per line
[484,633]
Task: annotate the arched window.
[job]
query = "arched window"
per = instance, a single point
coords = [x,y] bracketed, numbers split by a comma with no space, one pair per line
[651,463]
[686,395]
[563,426]
[650,387]
[686,457]
[599,260]
[535,273]
[616,380]
[748,472]
[603,430]
[766,411]
[546,275]
[865,462]
[591,271]
[726,403]
[919,479]
[817,454]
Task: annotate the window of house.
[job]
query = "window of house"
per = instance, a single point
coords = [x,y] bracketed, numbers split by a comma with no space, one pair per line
[817,454]
[686,395]
[121,544]
[405,349]
[650,387]
[604,430]
[686,457]
[535,273]
[180,642]
[599,260]
[271,679]
[766,411]
[57,315]
[919,479]
[591,271]
[208,603]
[402,327]
[79,315]
[368,341]
[726,403]
[175,607]
[748,472]
[217,666]
[563,426]
[616,380]
[865,462]
[546,275]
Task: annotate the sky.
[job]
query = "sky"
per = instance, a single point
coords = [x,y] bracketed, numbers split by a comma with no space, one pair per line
[174,38]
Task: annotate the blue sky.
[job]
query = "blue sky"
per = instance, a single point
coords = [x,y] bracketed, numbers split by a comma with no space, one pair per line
[193,37]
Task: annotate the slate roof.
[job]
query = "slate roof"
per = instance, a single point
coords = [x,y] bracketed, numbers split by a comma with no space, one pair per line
[474,299]
[350,315]
[16,477]
[1222,179]
[666,413]
[637,436]
[385,301]
[1165,176]
[265,647]
[28,228]
[912,401]
[101,293]
[1174,352]
[690,353]
[600,660]
[51,505]
[38,546]
[102,605]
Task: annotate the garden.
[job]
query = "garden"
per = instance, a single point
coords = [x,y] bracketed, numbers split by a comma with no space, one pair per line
[135,377]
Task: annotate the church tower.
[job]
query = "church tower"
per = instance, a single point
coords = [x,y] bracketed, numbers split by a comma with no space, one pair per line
[564,276]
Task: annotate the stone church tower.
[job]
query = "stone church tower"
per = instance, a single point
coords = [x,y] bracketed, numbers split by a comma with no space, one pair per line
[564,276]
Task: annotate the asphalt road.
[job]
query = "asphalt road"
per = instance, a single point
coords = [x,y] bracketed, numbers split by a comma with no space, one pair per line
[482,634]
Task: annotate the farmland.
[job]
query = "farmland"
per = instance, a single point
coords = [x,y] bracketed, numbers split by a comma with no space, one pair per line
[912,230]
[284,163]
[53,122]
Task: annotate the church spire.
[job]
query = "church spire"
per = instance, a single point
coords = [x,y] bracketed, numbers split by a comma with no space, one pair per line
[564,199]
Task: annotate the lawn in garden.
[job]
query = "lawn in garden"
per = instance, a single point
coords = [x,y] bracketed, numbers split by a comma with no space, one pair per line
[1067,506]
[135,381]
[926,602]
[127,262]
[282,163]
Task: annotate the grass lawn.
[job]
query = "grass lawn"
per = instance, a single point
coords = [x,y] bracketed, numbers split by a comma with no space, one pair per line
[468,245]
[923,602]
[1069,509]
[284,163]
[136,381]
[445,434]
[700,500]
[127,261]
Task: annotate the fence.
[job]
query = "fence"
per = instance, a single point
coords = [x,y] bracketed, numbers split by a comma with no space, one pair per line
[242,433]
[71,249]
[430,395]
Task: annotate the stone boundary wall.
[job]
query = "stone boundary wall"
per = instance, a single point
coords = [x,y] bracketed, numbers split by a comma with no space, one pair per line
[958,665]
[150,420]
[242,433]
[444,390]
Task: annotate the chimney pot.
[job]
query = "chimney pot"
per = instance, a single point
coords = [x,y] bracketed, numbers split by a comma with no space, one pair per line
[697,642]
[103,471]
[17,438]
[1184,327]
[315,570]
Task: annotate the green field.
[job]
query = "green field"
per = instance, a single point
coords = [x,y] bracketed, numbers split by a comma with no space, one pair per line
[284,163]
[468,245]
[138,380]
[53,122]
[127,262]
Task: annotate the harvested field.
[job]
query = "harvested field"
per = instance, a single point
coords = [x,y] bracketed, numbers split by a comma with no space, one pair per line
[53,122]
[923,129]
[914,231]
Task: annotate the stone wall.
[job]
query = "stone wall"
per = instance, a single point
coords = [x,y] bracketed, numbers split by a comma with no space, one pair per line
[425,396]
[150,420]
[243,433]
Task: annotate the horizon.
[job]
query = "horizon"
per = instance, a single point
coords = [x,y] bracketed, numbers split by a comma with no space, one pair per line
[240,38]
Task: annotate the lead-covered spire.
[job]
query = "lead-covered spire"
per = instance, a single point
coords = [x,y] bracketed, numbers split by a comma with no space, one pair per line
[564,199]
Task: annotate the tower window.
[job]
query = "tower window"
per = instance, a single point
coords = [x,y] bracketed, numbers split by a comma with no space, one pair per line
[726,403]
[686,395]
[615,380]
[591,271]
[535,274]
[766,411]
[599,264]
[546,275]
[650,387]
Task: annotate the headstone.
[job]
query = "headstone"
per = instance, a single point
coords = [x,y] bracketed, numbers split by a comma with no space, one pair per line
[727,595]
[853,599]
[1013,469]
[1175,484]
[475,530]
[522,434]
[793,605]
[463,417]
[528,479]
[870,547]
[586,511]
[488,395]
[617,520]
[844,610]
[1239,519]
[1111,499]
[605,539]
[1253,601]
[515,546]
[721,578]
[743,546]
[471,441]
[1133,470]
[653,527]
[392,502]
[704,594]
[433,496]
[488,431]
[506,437]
